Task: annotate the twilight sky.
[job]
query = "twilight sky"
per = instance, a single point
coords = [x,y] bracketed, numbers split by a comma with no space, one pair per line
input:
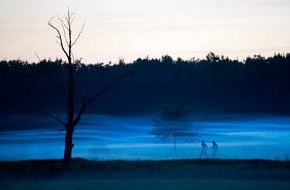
[136,28]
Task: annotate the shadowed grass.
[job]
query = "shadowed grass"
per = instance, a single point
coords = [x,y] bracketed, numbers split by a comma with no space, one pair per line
[168,174]
[147,184]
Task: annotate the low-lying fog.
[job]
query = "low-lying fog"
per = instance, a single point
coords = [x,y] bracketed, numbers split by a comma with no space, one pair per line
[102,137]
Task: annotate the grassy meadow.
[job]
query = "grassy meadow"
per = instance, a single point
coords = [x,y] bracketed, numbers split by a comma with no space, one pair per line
[168,174]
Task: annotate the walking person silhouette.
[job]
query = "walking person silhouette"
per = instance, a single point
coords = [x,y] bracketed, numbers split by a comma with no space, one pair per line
[204,149]
[214,149]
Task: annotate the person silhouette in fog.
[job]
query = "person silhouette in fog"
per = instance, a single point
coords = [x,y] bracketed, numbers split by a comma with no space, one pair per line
[204,148]
[214,149]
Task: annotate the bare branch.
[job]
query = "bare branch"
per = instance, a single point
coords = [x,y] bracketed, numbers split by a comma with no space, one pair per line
[64,33]
[37,56]
[79,34]
[59,90]
[54,85]
[59,36]
[113,84]
[62,22]
[48,114]
[65,26]
[85,104]
[73,16]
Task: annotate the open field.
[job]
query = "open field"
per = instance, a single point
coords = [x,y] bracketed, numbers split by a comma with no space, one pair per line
[104,137]
[169,174]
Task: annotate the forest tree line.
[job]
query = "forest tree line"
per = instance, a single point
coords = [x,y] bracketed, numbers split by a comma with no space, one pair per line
[214,84]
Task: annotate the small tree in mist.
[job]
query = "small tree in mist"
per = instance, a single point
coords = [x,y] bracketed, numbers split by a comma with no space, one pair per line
[173,125]
[66,42]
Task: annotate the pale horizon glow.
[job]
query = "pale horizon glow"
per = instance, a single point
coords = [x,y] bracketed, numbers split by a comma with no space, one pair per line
[130,29]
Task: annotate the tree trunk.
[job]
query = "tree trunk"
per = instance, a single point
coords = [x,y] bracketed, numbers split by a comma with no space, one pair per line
[68,150]
[71,104]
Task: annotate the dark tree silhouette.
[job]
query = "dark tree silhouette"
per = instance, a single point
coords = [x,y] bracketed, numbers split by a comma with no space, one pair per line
[254,85]
[66,42]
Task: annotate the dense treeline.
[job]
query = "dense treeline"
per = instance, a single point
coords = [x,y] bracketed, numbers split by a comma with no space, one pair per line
[216,83]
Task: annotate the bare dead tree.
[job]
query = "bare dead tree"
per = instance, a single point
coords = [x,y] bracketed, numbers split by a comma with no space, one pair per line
[66,42]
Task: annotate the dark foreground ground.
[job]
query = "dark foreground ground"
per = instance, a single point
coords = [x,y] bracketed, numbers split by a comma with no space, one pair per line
[169,174]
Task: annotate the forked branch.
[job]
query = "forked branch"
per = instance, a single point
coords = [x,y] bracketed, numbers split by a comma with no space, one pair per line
[89,101]
[59,37]
[66,37]
[44,113]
